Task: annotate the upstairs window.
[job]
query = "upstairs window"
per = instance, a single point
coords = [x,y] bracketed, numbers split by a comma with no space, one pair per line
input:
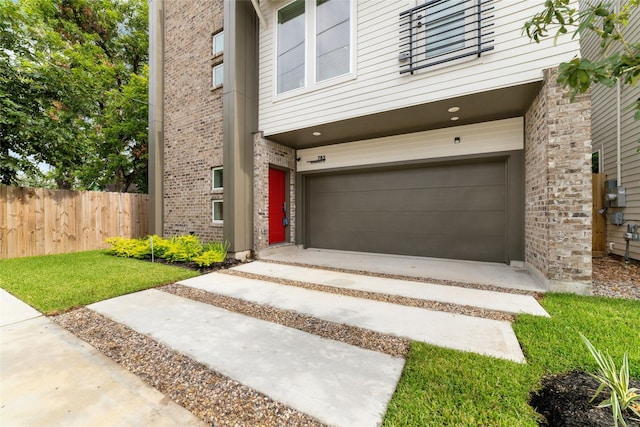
[216,178]
[314,42]
[217,76]
[440,31]
[217,43]
[445,28]
[333,38]
[291,46]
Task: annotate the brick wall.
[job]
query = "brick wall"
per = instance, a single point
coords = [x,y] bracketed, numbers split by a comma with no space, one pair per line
[558,188]
[268,153]
[193,117]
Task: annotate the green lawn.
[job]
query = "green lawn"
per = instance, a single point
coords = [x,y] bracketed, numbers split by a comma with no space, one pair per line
[445,387]
[57,283]
[438,386]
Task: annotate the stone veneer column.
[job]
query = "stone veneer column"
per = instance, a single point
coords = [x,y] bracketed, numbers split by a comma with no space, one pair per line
[268,153]
[558,188]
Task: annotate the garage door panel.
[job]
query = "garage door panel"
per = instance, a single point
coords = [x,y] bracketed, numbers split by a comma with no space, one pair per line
[448,211]
[487,198]
[492,248]
[476,174]
[443,223]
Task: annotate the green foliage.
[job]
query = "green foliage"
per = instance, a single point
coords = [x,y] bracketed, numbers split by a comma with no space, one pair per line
[617,382]
[129,248]
[183,248]
[73,93]
[186,248]
[619,59]
[446,387]
[212,253]
[56,283]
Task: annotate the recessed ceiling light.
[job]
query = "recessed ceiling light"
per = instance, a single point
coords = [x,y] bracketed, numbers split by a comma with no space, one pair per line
[316,133]
[453,109]
[454,118]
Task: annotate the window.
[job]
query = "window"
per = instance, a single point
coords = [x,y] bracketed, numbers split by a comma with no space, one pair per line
[291,46]
[217,211]
[218,43]
[440,31]
[445,28]
[218,75]
[333,38]
[314,42]
[596,161]
[216,178]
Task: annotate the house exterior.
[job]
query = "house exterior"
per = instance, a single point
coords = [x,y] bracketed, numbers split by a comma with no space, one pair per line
[405,127]
[616,141]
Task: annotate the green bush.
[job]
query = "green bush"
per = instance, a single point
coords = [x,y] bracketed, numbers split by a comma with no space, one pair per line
[129,248]
[213,252]
[184,248]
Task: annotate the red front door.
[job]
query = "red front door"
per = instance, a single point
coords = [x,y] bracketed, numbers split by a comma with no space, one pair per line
[277,206]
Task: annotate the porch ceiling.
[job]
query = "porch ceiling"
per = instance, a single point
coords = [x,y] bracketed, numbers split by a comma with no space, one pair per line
[479,107]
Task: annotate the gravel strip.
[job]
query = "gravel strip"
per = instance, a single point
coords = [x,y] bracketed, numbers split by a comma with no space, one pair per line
[212,397]
[536,295]
[395,299]
[364,338]
[612,278]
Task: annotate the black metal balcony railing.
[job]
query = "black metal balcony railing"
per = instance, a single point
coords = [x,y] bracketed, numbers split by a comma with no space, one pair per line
[440,31]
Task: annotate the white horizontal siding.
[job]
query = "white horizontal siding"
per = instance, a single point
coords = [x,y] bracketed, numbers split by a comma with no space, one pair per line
[377,86]
[490,137]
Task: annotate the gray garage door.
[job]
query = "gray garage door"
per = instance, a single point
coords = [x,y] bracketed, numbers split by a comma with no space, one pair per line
[452,211]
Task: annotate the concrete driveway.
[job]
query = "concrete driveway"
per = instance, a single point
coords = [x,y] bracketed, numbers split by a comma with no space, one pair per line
[50,376]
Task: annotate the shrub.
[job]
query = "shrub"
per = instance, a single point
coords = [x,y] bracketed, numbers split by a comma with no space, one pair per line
[183,248]
[213,252]
[129,248]
[622,397]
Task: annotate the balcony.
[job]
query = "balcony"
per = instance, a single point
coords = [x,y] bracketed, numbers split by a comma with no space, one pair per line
[441,31]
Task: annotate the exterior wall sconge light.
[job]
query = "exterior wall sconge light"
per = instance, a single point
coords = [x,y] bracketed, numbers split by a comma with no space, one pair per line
[456,140]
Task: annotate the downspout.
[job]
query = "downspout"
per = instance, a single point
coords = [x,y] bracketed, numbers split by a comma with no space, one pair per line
[618,136]
[618,121]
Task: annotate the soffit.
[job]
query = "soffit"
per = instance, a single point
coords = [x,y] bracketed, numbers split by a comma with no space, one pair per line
[475,108]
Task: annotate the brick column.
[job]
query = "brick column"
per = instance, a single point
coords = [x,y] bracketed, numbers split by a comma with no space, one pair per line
[558,188]
[268,153]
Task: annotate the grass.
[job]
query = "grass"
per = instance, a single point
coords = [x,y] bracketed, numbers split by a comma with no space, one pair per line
[438,386]
[446,387]
[56,283]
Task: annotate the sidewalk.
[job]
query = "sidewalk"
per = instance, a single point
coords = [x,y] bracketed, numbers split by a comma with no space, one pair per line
[50,377]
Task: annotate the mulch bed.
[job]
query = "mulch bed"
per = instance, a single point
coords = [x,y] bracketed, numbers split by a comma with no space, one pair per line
[565,401]
[227,263]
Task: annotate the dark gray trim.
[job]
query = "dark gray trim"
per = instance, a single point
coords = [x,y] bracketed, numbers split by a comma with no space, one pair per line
[514,180]
[240,100]
[156,116]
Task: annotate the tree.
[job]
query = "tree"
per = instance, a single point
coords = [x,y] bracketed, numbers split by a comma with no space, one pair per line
[66,67]
[620,61]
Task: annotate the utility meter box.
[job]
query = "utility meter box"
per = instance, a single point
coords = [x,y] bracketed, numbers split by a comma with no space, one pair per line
[615,195]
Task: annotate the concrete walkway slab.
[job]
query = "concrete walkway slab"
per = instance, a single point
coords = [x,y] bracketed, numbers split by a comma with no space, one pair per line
[499,301]
[478,335]
[12,310]
[337,383]
[485,273]
[50,377]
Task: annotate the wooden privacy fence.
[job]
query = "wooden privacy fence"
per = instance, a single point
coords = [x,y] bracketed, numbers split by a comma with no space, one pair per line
[40,221]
